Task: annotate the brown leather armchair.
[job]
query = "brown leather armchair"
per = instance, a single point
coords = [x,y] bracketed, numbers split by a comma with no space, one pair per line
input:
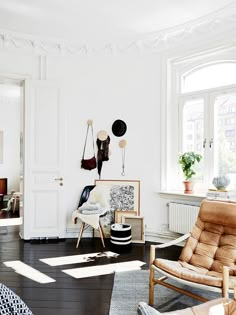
[208,258]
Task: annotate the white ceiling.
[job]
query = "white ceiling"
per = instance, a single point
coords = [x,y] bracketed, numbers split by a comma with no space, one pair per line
[100,21]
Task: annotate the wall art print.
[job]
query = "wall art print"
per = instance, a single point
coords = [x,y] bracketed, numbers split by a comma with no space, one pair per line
[124,195]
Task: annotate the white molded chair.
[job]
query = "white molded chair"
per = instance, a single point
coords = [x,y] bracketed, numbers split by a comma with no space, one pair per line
[93,205]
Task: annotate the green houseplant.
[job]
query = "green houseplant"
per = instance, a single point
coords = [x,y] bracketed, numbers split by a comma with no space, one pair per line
[187,162]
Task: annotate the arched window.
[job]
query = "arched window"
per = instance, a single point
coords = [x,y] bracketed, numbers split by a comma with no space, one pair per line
[208,77]
[207,106]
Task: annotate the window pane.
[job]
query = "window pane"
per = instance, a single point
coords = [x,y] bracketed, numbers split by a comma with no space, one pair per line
[210,77]
[225,136]
[193,128]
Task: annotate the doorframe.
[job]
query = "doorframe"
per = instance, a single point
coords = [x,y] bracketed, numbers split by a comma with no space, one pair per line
[19,80]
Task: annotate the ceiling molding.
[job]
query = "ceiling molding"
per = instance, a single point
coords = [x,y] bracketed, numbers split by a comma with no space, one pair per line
[220,22]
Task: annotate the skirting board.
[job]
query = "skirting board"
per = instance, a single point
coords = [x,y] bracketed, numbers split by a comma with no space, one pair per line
[162,237]
[150,236]
[72,231]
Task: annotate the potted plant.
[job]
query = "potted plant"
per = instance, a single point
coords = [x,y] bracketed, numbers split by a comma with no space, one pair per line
[187,162]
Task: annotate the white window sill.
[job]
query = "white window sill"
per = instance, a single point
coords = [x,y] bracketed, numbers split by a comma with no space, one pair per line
[182,196]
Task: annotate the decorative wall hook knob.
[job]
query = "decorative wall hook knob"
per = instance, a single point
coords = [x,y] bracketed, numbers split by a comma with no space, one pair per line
[90,122]
[59,178]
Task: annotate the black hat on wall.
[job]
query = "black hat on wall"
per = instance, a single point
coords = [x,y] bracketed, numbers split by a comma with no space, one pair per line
[119,128]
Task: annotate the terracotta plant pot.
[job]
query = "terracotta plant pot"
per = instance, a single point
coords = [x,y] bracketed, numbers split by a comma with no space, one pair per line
[188,187]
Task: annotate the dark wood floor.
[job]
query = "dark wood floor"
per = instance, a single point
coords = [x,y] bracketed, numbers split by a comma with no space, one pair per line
[66,296]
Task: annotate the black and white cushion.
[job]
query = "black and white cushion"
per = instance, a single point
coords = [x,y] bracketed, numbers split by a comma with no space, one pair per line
[11,304]
[145,309]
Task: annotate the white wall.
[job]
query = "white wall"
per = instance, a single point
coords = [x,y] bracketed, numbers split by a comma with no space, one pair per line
[104,89]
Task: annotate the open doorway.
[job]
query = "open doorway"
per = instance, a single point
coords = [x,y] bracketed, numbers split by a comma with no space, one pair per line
[11,153]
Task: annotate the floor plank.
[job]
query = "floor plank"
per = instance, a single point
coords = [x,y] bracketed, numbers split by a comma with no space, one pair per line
[70,296]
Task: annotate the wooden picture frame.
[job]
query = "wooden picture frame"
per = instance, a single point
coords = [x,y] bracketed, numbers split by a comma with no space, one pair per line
[137,227]
[124,195]
[120,213]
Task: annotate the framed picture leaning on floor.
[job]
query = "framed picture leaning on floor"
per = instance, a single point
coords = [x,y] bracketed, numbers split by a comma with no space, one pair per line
[124,195]
[137,227]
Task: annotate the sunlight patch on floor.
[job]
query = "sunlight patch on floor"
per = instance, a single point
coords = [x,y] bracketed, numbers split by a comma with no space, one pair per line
[28,272]
[11,221]
[100,270]
[77,259]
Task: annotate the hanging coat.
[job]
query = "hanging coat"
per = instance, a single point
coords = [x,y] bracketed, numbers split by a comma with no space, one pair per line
[103,153]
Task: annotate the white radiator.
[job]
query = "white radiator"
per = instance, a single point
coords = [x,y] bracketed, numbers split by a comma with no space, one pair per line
[182,217]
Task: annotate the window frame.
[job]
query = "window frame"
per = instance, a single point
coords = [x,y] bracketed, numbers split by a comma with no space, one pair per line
[208,96]
[172,70]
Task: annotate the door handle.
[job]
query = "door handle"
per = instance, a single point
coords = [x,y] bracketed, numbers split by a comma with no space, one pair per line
[59,178]
[204,143]
[211,143]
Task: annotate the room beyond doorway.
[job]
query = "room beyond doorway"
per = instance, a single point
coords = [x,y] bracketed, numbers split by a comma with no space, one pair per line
[11,151]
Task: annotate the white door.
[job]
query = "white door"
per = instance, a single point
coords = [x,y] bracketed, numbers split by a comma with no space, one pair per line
[44,214]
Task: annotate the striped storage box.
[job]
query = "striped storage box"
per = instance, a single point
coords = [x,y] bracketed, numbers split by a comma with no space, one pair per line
[121,234]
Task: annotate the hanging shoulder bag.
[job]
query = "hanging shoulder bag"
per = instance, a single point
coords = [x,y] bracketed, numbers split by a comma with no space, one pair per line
[89,164]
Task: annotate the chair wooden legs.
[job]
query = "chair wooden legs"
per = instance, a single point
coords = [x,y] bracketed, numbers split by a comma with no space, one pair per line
[16,199]
[151,276]
[80,233]
[101,233]
[151,287]
[82,229]
[225,289]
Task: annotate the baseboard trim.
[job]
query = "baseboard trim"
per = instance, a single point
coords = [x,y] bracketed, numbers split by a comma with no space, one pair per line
[73,231]
[150,235]
[161,237]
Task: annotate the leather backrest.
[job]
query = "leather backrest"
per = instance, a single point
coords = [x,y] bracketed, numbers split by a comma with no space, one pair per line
[221,213]
[212,243]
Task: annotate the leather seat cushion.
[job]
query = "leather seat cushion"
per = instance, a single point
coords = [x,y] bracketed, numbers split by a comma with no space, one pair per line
[187,272]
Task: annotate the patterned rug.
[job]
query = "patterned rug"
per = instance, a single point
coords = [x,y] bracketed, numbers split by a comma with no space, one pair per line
[131,287]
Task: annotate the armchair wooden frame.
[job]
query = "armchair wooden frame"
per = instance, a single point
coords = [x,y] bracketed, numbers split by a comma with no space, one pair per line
[225,290]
